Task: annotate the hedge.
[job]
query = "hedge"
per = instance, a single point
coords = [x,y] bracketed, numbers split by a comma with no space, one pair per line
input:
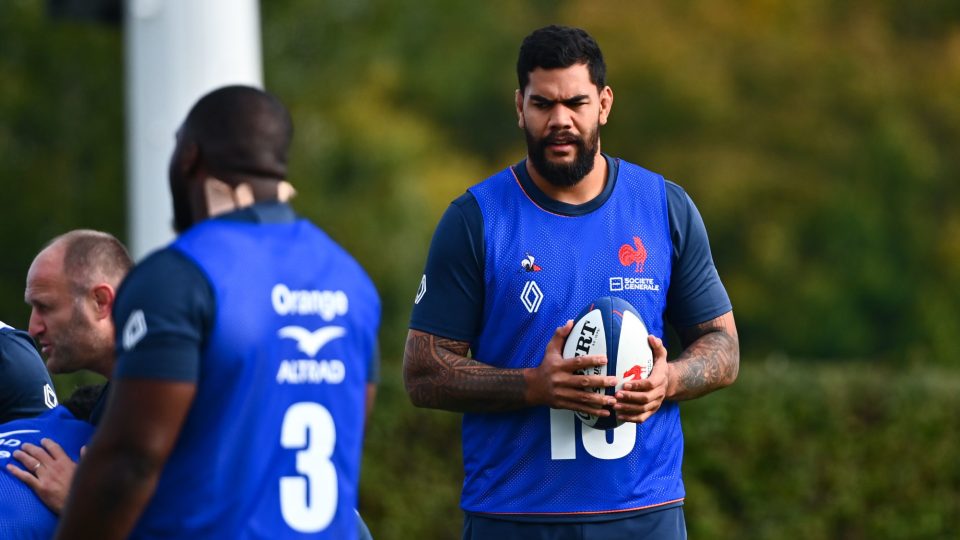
[850,450]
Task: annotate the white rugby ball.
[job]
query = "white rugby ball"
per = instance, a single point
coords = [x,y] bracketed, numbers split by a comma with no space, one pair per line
[610,326]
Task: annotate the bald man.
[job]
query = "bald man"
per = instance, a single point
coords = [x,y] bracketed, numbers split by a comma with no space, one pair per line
[71,287]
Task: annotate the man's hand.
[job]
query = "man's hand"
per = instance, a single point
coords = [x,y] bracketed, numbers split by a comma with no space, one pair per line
[638,400]
[49,471]
[555,383]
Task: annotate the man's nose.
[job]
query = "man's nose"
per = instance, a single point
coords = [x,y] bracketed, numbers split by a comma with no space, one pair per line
[560,118]
[36,326]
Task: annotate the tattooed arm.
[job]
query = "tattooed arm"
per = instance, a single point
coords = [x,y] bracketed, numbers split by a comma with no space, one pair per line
[438,375]
[710,359]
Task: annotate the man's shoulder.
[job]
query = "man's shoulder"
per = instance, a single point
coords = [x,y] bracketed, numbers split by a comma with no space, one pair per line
[9,338]
[17,350]
[462,220]
[624,166]
[165,265]
[506,174]
[11,334]
[165,277]
[465,202]
[676,195]
[57,423]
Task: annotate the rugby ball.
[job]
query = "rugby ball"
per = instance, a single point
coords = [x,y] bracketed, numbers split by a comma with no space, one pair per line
[610,326]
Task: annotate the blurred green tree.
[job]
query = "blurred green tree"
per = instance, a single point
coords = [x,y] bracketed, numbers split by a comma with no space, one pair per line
[61,141]
[819,140]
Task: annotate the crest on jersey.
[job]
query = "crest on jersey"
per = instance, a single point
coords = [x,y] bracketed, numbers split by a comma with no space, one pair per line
[311,342]
[531,296]
[134,329]
[635,254]
[422,290]
[528,264]
[49,396]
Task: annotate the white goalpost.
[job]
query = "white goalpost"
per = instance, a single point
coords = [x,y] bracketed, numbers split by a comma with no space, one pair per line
[176,51]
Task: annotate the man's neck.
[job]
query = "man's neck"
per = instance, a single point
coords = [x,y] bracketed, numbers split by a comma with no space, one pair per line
[582,192]
[220,197]
[103,367]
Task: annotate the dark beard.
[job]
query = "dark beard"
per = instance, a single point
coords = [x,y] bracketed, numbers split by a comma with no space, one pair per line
[559,174]
[182,219]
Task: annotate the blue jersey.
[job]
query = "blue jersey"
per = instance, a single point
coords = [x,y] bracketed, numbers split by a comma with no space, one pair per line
[452,305]
[271,446]
[25,386]
[22,514]
[505,275]
[539,460]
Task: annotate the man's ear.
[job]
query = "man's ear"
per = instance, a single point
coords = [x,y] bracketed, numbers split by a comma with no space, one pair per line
[285,191]
[218,198]
[186,158]
[606,104]
[103,296]
[518,98]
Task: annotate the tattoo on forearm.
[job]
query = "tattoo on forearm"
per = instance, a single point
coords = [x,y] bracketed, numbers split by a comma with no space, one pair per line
[438,375]
[710,361]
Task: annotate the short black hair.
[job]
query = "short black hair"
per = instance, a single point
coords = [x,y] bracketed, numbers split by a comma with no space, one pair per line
[83,400]
[241,129]
[554,47]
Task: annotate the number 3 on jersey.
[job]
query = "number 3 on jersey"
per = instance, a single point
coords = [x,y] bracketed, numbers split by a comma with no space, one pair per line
[309,504]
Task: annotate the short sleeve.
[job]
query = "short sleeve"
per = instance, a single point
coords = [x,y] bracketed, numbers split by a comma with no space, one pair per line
[163,312]
[373,368]
[696,293]
[449,301]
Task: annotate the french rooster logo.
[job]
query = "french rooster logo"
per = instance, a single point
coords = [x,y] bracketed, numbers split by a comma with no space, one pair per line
[636,372]
[528,265]
[635,254]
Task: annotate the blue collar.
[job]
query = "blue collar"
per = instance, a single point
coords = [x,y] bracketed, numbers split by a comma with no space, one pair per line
[565,209]
[262,212]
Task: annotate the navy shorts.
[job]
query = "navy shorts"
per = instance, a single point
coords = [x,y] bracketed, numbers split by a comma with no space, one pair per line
[667,524]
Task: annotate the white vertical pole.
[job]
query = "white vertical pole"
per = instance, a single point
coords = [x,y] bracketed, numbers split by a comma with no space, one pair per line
[176,51]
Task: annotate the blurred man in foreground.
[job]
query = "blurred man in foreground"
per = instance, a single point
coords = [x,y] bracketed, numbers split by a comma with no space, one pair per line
[243,354]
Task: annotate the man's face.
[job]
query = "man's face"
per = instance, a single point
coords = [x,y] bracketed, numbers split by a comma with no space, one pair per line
[61,319]
[561,112]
